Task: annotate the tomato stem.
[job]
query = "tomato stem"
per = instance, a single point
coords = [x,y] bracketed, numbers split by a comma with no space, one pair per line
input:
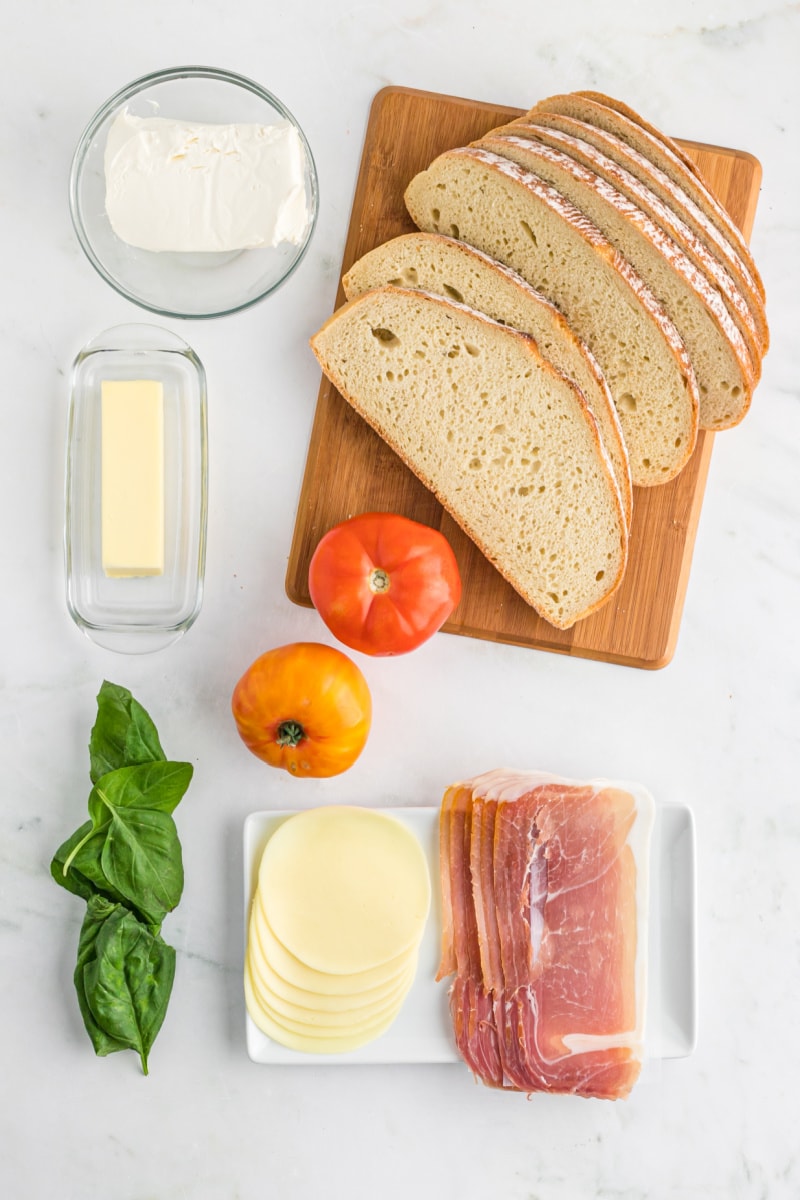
[290,733]
[379,581]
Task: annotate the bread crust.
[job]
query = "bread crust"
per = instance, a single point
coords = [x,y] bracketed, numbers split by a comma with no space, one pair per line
[656,147]
[626,111]
[667,218]
[663,246]
[641,297]
[670,192]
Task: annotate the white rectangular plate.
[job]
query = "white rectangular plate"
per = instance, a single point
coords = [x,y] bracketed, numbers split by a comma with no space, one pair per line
[422,1032]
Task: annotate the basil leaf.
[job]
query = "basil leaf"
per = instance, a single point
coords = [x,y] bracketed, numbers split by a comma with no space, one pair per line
[76,864]
[126,862]
[128,981]
[123,734]
[98,911]
[141,853]
[158,785]
[142,860]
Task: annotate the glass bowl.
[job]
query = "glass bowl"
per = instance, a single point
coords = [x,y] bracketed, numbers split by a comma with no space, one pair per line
[185,285]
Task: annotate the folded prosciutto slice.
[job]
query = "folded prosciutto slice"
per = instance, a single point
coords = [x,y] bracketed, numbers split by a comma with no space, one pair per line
[544,891]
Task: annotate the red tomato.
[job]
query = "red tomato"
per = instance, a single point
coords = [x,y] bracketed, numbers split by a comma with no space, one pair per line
[304,707]
[384,584]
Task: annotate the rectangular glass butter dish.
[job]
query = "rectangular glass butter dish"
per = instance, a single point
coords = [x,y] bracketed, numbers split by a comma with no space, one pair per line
[136,612]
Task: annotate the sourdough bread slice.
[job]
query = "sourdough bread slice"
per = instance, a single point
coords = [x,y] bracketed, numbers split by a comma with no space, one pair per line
[660,151]
[721,362]
[512,215]
[446,267]
[669,192]
[506,442]
[626,111]
[742,303]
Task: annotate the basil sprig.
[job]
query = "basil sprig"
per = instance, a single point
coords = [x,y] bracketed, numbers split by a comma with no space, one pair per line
[126,863]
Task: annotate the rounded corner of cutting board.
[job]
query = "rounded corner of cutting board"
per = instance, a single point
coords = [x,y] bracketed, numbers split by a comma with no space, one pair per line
[294,593]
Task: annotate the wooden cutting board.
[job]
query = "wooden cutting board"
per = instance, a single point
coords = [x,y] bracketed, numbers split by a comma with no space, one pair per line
[349,469]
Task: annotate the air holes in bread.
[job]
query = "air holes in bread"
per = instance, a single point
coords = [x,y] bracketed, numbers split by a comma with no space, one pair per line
[453,231]
[386,337]
[627,403]
[527,229]
[452,292]
[473,351]
[407,278]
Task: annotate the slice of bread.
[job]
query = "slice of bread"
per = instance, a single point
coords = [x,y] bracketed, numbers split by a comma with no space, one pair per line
[508,212]
[618,119]
[626,111]
[743,305]
[506,442]
[446,267]
[670,193]
[722,364]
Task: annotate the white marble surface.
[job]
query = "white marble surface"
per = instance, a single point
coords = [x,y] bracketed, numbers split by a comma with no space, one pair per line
[717,729]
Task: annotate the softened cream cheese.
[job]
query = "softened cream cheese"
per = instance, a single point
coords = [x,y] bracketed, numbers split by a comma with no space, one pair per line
[185,186]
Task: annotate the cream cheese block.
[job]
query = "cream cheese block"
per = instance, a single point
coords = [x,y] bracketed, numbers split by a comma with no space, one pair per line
[132,477]
[188,187]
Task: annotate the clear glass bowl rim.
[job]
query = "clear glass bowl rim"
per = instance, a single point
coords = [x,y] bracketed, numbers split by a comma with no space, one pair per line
[132,89]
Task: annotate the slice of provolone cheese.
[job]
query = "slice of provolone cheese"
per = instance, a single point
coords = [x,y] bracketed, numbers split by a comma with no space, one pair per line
[299,975]
[324,1044]
[316,1022]
[305,998]
[345,889]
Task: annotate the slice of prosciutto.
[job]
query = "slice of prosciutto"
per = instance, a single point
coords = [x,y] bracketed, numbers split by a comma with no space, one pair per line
[544,885]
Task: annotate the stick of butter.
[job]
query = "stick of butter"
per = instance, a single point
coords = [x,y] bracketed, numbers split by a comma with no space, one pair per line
[188,187]
[132,477]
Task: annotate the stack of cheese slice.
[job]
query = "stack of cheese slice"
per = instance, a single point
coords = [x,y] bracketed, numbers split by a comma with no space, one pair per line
[335,924]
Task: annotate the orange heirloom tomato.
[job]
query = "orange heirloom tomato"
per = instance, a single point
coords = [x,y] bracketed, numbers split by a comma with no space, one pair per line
[304,707]
[384,584]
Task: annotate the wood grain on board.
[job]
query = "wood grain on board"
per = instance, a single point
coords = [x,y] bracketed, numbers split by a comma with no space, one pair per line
[349,469]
